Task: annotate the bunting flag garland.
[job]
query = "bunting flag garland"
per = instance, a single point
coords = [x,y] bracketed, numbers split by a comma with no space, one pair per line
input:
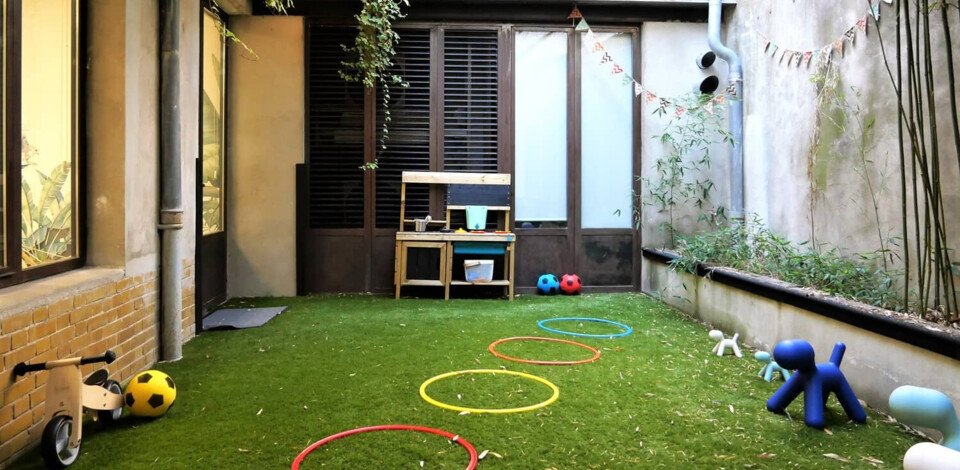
[822,54]
[639,90]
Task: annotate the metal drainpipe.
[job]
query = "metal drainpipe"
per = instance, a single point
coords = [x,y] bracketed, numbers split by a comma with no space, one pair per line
[736,107]
[171,209]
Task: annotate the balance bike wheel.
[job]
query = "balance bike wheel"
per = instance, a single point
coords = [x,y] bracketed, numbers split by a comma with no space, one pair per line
[109,417]
[55,443]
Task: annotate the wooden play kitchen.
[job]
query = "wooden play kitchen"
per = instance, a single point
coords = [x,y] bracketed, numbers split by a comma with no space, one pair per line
[426,258]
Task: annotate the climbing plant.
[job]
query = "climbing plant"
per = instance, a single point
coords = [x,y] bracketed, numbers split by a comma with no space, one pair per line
[372,56]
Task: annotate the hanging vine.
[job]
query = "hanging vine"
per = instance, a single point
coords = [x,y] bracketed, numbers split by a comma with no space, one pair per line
[372,56]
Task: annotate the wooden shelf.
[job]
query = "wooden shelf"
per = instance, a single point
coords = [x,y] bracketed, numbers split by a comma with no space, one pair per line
[423,282]
[501,283]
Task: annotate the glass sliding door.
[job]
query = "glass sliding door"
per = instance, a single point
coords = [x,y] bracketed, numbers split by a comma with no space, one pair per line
[606,119]
[541,129]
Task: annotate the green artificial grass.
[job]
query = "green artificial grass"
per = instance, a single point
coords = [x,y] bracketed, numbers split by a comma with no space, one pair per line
[655,399]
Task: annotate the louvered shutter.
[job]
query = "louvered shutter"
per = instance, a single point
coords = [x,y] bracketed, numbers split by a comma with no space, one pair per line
[470,65]
[408,142]
[334,133]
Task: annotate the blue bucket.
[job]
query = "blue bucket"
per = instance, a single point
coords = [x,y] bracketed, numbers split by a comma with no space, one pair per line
[476,217]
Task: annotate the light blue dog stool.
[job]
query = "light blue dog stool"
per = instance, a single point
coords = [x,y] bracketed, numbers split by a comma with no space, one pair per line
[770,367]
[927,408]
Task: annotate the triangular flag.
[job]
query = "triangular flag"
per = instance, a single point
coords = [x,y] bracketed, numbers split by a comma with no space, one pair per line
[825,55]
[575,13]
[875,10]
[649,96]
[597,46]
[606,58]
[664,103]
[627,79]
[720,99]
[616,69]
[862,23]
[766,45]
[637,89]
[679,111]
[582,26]
[851,34]
[591,37]
[773,51]
[807,56]
[708,107]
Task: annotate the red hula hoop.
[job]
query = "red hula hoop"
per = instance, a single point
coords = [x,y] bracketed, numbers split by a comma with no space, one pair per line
[493,350]
[389,427]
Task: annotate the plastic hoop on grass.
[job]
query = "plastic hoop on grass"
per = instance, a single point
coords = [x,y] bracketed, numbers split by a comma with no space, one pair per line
[493,346]
[626,329]
[471,451]
[439,404]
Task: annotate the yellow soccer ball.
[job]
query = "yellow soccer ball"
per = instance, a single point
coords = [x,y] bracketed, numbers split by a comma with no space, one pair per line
[150,394]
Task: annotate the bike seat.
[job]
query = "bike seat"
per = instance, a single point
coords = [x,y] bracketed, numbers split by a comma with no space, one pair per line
[97,378]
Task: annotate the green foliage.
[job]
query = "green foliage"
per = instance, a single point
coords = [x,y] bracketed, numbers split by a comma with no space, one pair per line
[753,248]
[45,221]
[681,175]
[372,56]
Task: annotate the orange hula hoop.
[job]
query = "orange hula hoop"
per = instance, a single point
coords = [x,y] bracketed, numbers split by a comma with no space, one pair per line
[493,350]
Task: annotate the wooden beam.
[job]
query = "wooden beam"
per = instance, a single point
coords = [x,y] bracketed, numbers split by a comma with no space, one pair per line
[438,177]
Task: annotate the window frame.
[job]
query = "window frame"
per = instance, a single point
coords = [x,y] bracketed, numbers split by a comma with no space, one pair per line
[14,273]
[225,19]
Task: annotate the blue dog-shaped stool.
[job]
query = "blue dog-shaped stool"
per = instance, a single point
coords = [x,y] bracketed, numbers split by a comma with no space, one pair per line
[815,381]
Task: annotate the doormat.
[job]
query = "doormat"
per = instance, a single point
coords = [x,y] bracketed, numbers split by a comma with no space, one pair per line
[237,318]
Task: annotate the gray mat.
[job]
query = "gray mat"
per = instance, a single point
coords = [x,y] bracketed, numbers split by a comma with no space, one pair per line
[236,318]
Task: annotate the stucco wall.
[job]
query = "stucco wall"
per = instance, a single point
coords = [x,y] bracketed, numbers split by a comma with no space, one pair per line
[264,143]
[668,56]
[875,365]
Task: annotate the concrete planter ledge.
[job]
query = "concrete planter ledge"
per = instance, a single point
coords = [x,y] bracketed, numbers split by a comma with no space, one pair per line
[885,349]
[893,325]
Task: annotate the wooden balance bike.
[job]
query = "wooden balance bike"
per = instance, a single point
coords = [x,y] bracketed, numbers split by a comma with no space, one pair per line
[67,397]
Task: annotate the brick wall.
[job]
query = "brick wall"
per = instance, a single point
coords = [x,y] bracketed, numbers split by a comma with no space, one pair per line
[118,315]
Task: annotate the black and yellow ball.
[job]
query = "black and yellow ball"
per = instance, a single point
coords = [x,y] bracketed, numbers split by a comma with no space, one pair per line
[150,394]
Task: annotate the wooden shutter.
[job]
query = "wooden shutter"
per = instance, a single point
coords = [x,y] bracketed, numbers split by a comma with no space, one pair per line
[470,101]
[408,142]
[334,133]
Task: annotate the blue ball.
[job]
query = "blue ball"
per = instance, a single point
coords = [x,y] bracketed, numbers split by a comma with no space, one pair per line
[548,284]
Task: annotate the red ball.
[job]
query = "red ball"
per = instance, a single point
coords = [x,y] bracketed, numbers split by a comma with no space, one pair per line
[570,284]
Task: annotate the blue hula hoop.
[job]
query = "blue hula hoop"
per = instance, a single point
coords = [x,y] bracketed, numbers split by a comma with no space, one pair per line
[626,329]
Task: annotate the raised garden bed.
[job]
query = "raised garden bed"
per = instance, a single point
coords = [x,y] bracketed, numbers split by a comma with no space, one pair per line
[885,349]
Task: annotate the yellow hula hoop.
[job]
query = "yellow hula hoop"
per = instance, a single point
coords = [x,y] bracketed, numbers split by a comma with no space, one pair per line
[428,399]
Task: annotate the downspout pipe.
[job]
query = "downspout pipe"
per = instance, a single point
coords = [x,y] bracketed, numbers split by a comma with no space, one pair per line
[714,20]
[171,207]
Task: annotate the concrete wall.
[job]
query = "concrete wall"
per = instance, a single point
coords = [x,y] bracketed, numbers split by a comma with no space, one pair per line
[668,59]
[875,365]
[821,192]
[265,134]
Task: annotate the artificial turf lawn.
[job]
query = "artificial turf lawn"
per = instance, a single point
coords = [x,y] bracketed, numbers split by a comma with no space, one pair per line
[657,398]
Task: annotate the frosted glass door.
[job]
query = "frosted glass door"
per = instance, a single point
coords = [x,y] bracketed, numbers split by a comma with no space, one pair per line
[607,134]
[541,129]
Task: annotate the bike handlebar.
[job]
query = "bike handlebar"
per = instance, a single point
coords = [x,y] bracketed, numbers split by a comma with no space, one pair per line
[22,368]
